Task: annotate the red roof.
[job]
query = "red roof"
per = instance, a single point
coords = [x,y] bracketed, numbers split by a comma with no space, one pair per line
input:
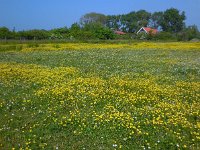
[120,32]
[150,30]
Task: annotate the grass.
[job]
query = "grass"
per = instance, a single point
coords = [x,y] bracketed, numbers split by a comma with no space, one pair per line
[100,96]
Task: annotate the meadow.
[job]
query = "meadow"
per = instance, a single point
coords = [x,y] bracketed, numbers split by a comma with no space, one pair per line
[142,95]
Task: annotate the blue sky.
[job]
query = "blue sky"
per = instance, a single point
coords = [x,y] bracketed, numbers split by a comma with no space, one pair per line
[48,14]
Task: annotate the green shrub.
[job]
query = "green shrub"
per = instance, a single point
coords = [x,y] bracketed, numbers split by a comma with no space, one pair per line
[165,36]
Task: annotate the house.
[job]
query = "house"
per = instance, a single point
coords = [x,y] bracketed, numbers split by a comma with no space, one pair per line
[147,30]
[119,32]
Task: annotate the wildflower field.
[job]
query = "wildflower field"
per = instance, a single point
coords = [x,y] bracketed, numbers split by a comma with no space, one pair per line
[100,96]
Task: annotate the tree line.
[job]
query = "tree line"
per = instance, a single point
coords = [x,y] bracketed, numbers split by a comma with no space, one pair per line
[93,25]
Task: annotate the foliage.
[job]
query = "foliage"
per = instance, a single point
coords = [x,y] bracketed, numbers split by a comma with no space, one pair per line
[85,33]
[143,18]
[97,30]
[156,20]
[33,34]
[130,22]
[96,26]
[104,33]
[93,18]
[126,36]
[63,30]
[59,33]
[113,22]
[5,33]
[165,36]
[188,33]
[173,20]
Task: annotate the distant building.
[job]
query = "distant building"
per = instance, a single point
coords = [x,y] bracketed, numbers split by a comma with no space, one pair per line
[147,30]
[119,32]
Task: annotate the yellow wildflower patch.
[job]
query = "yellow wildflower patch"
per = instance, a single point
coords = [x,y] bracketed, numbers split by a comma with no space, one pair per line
[121,99]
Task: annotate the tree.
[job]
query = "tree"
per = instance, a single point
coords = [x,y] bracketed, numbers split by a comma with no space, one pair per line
[113,22]
[93,18]
[33,34]
[156,19]
[63,30]
[76,32]
[4,33]
[75,27]
[99,31]
[192,32]
[129,22]
[59,33]
[142,18]
[104,33]
[173,20]
[92,26]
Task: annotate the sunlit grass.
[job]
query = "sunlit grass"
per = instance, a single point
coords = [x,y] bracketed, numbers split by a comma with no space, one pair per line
[100,96]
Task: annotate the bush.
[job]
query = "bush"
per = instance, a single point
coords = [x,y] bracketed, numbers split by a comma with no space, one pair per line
[166,36]
[5,33]
[82,35]
[33,34]
[124,37]
[104,34]
[188,34]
